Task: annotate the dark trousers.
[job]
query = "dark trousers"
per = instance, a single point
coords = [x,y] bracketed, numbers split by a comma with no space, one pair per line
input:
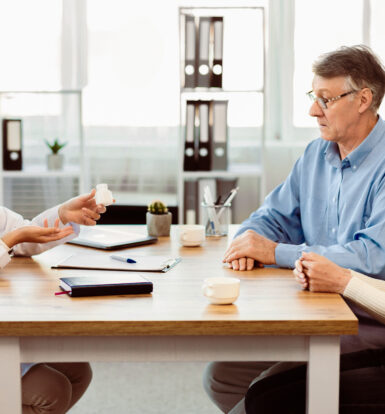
[362,387]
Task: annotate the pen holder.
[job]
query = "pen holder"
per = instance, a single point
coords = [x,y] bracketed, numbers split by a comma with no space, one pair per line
[216,219]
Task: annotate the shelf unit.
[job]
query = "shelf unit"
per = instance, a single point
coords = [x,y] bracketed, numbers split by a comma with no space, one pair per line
[230,91]
[242,170]
[44,115]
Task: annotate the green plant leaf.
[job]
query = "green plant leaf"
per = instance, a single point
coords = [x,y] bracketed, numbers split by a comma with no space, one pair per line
[56,146]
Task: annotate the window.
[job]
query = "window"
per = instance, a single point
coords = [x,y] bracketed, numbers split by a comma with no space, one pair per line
[31,44]
[131,101]
[376,34]
[319,30]
[311,28]
[133,64]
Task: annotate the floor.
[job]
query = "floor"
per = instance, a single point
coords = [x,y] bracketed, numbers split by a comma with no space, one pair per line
[146,388]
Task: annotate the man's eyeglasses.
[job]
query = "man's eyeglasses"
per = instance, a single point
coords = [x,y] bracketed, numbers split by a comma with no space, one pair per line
[323,101]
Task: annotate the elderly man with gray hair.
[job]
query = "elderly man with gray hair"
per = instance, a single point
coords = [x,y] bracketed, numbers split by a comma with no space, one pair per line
[332,203]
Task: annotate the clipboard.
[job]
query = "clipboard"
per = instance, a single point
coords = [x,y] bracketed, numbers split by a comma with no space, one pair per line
[105,262]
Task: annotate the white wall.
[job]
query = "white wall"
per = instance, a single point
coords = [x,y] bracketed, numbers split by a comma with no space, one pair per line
[279,160]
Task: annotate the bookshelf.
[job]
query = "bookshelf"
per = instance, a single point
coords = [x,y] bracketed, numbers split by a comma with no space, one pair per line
[241,85]
[43,115]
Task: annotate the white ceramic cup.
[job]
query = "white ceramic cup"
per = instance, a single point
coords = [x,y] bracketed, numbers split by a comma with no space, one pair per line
[191,234]
[221,290]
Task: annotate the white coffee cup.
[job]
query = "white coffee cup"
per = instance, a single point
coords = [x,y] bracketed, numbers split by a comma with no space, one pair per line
[191,234]
[221,290]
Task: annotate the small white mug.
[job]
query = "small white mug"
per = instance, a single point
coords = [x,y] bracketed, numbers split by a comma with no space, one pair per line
[191,234]
[221,290]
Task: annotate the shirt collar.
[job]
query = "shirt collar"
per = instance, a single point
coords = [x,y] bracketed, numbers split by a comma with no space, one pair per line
[356,157]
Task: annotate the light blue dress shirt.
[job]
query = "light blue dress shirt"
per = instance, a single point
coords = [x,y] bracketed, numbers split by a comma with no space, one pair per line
[331,207]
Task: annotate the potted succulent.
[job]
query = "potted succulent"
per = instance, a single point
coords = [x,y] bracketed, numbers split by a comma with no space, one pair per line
[158,219]
[55,160]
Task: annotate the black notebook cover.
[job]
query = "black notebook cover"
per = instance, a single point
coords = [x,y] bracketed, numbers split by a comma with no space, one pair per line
[113,285]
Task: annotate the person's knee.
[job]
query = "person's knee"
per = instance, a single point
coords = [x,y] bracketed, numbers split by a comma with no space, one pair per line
[78,373]
[46,390]
[85,373]
[213,376]
[227,382]
[208,377]
[61,394]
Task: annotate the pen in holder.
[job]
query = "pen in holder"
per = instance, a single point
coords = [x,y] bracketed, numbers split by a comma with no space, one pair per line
[217,218]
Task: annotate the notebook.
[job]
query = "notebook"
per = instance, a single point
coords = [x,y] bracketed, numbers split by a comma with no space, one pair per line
[106,262]
[111,285]
[107,239]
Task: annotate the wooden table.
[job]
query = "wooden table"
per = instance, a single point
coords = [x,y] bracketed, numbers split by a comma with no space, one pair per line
[272,320]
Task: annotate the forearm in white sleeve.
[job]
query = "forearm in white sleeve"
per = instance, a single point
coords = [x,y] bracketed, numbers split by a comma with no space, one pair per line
[367,293]
[5,257]
[29,249]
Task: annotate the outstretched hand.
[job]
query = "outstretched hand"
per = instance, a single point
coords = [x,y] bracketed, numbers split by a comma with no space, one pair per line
[81,210]
[37,234]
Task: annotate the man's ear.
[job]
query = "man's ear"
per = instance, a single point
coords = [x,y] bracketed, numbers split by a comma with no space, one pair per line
[366,98]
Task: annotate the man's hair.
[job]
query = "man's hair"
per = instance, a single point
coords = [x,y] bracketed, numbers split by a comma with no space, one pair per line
[360,67]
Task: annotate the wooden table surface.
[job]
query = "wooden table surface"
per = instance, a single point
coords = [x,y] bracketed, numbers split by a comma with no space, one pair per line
[270,302]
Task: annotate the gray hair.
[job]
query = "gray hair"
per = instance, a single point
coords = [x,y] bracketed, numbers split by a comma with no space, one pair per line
[360,67]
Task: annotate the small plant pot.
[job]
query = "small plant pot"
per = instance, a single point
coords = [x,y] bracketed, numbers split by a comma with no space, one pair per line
[158,224]
[55,161]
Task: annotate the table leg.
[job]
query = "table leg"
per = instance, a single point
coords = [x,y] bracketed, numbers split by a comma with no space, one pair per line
[323,375]
[10,380]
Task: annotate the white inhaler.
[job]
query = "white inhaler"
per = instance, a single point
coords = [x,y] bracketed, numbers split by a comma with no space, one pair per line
[103,195]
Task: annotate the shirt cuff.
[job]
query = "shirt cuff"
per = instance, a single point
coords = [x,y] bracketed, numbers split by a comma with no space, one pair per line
[5,245]
[5,258]
[354,286]
[76,227]
[358,291]
[287,254]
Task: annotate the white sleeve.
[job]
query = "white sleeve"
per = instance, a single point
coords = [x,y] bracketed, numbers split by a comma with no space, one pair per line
[5,258]
[29,249]
[368,294]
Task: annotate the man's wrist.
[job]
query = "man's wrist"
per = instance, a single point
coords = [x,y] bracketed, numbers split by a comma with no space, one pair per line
[5,245]
[344,279]
[274,246]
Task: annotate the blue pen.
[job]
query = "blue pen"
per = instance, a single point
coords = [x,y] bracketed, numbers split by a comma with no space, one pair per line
[123,259]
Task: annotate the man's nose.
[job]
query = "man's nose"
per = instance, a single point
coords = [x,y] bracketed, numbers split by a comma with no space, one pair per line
[315,109]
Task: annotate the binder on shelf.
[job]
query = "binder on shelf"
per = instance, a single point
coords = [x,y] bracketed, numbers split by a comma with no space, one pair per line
[12,138]
[190,154]
[190,53]
[190,202]
[204,152]
[219,136]
[217,66]
[204,52]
